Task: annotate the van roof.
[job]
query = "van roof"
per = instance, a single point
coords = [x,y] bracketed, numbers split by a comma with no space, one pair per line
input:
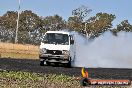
[62,32]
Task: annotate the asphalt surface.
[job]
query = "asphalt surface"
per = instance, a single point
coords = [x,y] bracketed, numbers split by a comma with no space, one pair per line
[27,65]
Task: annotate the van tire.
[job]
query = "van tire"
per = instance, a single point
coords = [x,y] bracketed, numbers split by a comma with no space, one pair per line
[69,64]
[48,63]
[41,63]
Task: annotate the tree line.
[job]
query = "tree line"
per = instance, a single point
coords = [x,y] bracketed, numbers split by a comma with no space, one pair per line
[32,27]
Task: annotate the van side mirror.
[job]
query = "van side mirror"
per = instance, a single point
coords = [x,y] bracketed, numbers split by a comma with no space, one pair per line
[72,42]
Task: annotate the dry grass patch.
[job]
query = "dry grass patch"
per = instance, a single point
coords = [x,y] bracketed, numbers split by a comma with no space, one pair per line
[9,50]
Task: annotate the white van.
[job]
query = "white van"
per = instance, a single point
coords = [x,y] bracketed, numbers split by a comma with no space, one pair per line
[57,47]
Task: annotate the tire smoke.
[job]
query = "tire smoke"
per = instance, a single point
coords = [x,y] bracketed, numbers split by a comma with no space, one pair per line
[106,51]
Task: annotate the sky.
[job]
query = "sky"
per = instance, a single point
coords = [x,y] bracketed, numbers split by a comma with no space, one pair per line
[120,8]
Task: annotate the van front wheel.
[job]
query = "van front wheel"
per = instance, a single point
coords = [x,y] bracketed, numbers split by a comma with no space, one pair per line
[69,64]
[41,63]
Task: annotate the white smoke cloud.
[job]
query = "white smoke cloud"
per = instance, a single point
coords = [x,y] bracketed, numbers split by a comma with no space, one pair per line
[106,51]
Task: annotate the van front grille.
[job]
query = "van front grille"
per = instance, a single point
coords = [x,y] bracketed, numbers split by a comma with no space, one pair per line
[54,52]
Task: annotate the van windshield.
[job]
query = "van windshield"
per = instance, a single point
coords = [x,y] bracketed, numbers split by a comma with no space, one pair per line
[56,38]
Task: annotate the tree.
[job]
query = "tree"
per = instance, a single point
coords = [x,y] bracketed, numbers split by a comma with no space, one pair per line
[81,12]
[30,27]
[123,26]
[54,22]
[76,21]
[99,24]
[8,26]
[9,20]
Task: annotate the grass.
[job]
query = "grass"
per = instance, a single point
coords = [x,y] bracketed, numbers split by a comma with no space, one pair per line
[9,50]
[18,79]
[19,55]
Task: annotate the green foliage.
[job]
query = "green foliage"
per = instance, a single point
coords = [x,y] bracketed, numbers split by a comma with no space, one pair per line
[54,22]
[99,24]
[29,21]
[94,26]
[13,79]
[7,26]
[19,79]
[33,76]
[74,23]
[8,20]
[18,75]
[123,26]
[32,27]
[81,12]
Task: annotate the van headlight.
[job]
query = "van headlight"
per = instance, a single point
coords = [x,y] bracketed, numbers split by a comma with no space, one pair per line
[65,52]
[43,50]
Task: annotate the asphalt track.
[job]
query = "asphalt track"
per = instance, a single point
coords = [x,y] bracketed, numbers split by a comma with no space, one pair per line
[27,65]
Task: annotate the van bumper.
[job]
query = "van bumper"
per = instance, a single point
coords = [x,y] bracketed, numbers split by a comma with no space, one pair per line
[54,58]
